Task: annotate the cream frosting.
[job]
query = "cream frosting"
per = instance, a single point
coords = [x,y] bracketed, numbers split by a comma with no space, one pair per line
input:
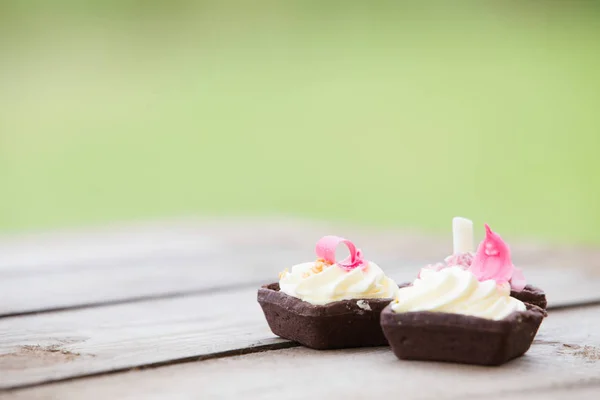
[456,290]
[319,283]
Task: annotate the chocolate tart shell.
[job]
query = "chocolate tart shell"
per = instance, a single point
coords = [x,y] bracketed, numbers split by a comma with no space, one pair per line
[337,325]
[436,336]
[531,295]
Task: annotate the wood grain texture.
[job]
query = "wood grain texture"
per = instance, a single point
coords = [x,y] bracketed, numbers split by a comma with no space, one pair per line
[584,389]
[49,272]
[59,345]
[564,360]
[56,270]
[49,291]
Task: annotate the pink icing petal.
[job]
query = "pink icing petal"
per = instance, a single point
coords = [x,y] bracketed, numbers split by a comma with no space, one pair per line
[517,281]
[492,261]
[326,246]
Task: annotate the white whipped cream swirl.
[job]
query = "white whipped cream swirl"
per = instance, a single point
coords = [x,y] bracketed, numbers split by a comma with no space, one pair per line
[456,290]
[333,283]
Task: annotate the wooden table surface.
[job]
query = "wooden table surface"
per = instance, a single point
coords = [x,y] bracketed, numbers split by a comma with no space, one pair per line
[168,310]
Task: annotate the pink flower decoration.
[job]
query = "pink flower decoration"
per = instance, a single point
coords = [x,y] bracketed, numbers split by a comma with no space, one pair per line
[325,249]
[492,261]
[517,281]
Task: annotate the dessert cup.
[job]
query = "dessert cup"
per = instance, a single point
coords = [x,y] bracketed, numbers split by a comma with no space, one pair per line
[531,295]
[474,308]
[338,325]
[437,336]
[329,304]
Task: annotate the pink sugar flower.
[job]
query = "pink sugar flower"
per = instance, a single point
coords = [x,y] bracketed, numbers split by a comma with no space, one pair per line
[492,261]
[325,249]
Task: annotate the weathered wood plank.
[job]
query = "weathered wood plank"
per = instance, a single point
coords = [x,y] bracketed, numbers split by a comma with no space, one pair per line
[84,287]
[75,268]
[71,269]
[566,354]
[59,345]
[134,243]
[48,272]
[584,389]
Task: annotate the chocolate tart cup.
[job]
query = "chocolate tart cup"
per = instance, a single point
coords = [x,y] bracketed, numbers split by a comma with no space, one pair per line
[532,295]
[436,336]
[337,325]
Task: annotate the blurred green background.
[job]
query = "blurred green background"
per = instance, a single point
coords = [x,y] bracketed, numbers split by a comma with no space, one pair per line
[379,113]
